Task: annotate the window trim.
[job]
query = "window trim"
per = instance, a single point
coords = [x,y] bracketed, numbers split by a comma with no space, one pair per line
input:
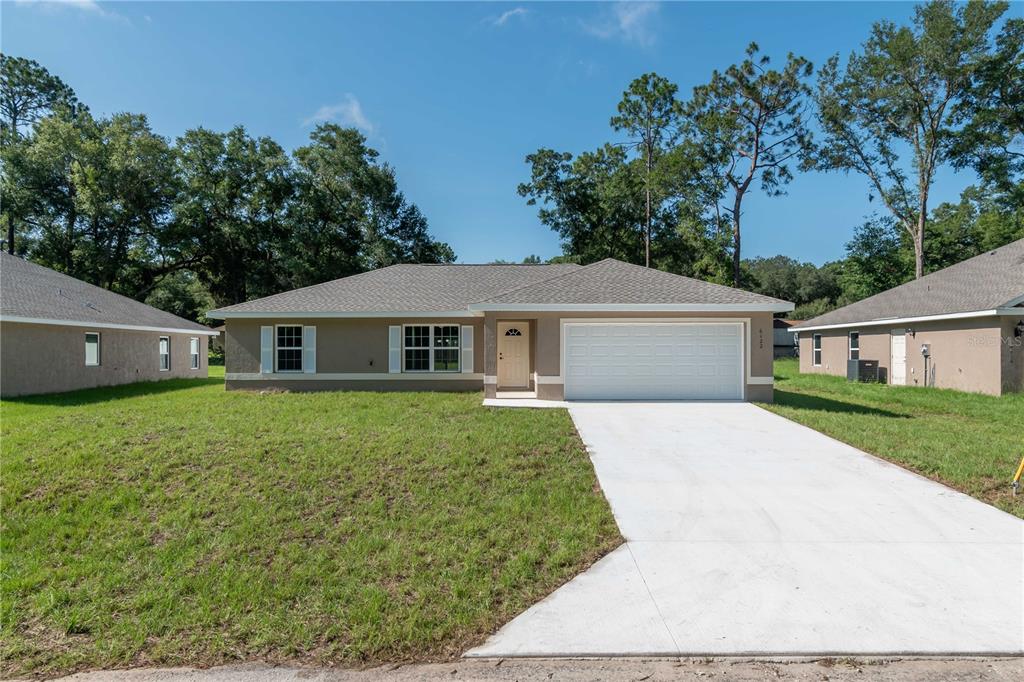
[300,348]
[99,349]
[849,345]
[194,359]
[816,350]
[431,348]
[160,355]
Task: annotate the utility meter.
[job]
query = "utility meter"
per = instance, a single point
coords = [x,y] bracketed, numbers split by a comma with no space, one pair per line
[926,349]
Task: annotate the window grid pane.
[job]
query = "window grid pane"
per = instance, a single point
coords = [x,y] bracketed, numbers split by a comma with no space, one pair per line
[289,348]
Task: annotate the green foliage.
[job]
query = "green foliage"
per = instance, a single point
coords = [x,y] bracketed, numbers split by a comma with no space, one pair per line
[802,283]
[906,89]
[161,524]
[993,135]
[749,124]
[649,113]
[214,219]
[28,93]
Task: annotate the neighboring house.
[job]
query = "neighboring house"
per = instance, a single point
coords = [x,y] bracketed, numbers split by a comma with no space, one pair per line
[784,337]
[968,318]
[217,341]
[606,330]
[58,333]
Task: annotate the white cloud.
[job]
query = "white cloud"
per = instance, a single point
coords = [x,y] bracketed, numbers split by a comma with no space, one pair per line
[348,112]
[506,16]
[631,22]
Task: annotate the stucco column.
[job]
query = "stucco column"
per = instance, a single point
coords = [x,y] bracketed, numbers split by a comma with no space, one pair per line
[490,355]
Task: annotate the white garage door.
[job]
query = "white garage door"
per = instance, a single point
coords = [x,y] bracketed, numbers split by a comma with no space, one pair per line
[653,361]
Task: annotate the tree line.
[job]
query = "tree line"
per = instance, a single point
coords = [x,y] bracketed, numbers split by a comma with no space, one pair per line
[209,219]
[947,90]
[214,218]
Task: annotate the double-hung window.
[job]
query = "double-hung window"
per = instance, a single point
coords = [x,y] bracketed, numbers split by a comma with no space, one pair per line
[430,348]
[92,349]
[288,354]
[816,345]
[193,352]
[165,353]
[855,345]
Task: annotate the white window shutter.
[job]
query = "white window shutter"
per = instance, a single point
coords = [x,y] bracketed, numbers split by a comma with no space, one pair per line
[467,349]
[395,349]
[309,350]
[266,350]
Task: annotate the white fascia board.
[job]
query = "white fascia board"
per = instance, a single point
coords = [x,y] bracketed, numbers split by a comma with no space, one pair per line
[250,315]
[995,312]
[108,325]
[633,307]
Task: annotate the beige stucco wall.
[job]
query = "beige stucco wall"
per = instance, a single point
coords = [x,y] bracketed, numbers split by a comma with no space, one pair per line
[547,338]
[38,358]
[967,354]
[360,345]
[343,346]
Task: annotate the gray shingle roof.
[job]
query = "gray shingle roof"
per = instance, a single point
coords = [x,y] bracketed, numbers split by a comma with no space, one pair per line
[448,288]
[612,282]
[992,280]
[31,291]
[403,288]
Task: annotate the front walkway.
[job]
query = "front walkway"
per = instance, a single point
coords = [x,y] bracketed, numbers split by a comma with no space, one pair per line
[749,534]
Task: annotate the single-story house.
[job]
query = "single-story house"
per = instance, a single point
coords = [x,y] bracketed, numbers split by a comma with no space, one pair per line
[58,334]
[961,327]
[784,337]
[605,330]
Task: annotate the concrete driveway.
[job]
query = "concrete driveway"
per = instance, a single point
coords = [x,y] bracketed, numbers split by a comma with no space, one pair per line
[749,534]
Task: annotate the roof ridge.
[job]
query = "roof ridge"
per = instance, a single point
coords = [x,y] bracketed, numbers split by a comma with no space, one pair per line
[693,279]
[505,292]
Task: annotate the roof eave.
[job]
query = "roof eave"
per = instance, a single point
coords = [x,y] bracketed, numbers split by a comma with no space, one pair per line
[777,307]
[108,325]
[991,312]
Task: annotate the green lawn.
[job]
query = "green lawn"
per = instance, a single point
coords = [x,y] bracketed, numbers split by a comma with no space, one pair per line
[176,523]
[970,442]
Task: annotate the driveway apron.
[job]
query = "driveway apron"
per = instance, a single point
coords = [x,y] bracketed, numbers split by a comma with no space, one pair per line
[748,534]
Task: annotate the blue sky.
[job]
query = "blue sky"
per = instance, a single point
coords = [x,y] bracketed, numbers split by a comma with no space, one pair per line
[453,95]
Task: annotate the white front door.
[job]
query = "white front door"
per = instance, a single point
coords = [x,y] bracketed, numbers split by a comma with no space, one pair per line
[653,361]
[513,354]
[898,366]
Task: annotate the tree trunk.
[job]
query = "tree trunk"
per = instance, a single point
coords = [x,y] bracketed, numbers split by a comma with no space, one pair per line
[736,240]
[922,219]
[919,248]
[10,235]
[647,230]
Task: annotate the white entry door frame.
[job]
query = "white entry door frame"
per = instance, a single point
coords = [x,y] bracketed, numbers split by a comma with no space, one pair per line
[513,354]
[898,357]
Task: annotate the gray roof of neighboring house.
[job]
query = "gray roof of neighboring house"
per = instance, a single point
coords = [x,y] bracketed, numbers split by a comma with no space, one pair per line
[403,288]
[33,292]
[994,279]
[612,282]
[448,288]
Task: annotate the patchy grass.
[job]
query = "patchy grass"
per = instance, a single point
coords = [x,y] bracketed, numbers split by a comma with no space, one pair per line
[968,441]
[178,524]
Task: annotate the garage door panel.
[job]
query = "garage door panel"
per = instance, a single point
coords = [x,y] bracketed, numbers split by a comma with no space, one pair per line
[653,361]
